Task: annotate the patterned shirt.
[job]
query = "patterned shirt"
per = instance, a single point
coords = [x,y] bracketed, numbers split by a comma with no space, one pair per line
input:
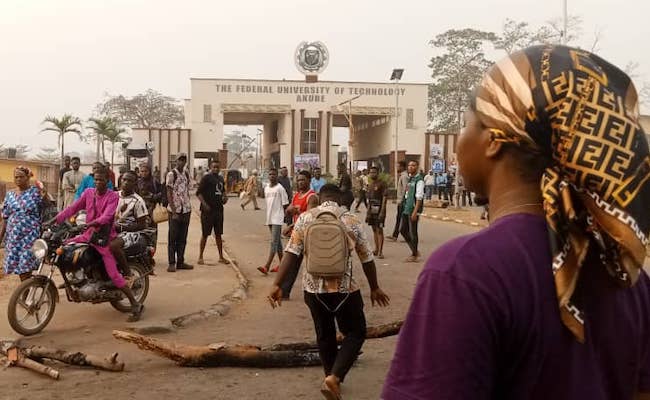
[130,208]
[179,183]
[356,232]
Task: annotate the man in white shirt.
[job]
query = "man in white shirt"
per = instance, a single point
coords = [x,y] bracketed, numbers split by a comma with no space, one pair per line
[429,184]
[276,201]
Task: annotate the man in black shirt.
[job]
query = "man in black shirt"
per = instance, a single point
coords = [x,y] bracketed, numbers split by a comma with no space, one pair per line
[212,194]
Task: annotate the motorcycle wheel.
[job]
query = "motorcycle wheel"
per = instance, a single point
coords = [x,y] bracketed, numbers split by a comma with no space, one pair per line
[140,289]
[40,308]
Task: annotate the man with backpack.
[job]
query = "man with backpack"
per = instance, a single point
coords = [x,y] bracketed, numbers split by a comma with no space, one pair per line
[177,193]
[326,235]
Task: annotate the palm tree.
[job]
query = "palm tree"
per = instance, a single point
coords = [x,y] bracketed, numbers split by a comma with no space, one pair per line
[114,136]
[67,123]
[102,127]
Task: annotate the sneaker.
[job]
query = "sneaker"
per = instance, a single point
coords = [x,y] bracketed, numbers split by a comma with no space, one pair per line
[184,266]
[275,269]
[263,270]
[171,268]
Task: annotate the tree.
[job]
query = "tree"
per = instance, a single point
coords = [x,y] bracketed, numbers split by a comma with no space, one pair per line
[103,127]
[519,35]
[67,123]
[47,154]
[240,146]
[146,110]
[455,73]
[114,136]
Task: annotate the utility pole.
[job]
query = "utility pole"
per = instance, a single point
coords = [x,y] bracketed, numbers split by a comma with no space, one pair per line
[565,33]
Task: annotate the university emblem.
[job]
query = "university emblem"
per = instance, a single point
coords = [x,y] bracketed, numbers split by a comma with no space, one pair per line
[311,57]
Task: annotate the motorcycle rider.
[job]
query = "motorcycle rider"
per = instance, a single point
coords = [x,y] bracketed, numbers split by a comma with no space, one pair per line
[130,218]
[100,205]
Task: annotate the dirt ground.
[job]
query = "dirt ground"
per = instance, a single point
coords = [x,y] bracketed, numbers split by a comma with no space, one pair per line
[88,328]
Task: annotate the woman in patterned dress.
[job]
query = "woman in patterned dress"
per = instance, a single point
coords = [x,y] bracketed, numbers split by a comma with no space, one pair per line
[21,212]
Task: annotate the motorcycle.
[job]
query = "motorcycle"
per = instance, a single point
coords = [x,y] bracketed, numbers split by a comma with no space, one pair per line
[84,277]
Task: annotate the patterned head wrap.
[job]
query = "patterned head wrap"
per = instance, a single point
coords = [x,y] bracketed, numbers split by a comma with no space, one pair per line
[28,172]
[581,112]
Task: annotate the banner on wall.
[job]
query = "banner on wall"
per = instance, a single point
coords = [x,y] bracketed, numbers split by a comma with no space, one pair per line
[306,162]
[437,165]
[436,150]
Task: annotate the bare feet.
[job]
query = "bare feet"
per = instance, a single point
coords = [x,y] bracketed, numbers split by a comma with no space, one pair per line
[331,388]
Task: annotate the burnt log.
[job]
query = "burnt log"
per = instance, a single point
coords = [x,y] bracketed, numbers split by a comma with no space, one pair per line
[220,354]
[372,332]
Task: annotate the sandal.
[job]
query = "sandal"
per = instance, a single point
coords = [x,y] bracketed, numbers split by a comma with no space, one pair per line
[329,392]
[200,261]
[136,313]
[224,261]
[412,259]
[275,269]
[263,270]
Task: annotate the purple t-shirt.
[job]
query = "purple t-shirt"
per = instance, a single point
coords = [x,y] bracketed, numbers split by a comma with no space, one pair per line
[485,324]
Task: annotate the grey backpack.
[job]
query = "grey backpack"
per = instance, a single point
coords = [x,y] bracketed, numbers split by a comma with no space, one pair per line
[327,245]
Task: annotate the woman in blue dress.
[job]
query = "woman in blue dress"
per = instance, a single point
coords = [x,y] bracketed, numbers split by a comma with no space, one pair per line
[21,212]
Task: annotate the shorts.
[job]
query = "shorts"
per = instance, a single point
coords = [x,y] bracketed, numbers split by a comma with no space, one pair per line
[375,221]
[276,239]
[212,221]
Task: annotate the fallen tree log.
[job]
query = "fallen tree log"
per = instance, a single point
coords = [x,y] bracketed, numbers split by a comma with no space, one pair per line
[372,332]
[220,354]
[31,358]
[302,354]
[17,358]
[109,363]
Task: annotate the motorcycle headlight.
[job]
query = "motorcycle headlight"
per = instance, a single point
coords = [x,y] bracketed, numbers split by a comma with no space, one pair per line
[39,248]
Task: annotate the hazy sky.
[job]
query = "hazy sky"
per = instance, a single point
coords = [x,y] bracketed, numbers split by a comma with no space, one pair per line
[60,56]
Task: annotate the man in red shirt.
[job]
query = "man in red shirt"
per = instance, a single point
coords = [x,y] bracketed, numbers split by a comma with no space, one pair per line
[304,199]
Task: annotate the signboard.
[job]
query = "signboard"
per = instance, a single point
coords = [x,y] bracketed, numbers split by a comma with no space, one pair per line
[306,162]
[436,150]
[438,165]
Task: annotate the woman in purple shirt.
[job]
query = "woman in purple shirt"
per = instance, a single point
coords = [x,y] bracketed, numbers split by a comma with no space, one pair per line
[550,301]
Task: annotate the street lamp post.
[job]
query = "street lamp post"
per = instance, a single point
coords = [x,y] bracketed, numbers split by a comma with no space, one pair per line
[396,76]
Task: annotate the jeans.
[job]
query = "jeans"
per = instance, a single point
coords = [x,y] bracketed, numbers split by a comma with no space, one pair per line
[177,238]
[351,322]
[290,279]
[398,220]
[428,191]
[276,238]
[410,232]
[442,191]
